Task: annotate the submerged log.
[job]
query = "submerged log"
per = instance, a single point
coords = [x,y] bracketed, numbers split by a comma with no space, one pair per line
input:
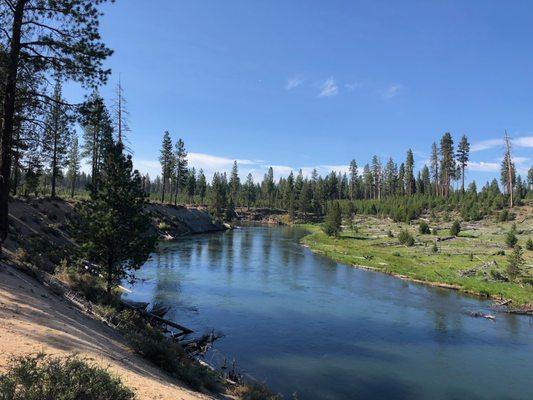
[479,314]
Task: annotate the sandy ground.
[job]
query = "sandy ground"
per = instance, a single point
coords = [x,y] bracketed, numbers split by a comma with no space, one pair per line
[32,319]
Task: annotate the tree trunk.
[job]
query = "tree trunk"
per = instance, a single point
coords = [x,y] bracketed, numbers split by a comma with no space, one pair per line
[73,185]
[463,179]
[109,276]
[8,117]
[54,169]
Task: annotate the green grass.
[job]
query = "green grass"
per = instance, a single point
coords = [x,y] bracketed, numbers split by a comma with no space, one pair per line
[473,250]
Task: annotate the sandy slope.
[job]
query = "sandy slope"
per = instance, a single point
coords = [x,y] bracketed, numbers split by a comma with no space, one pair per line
[32,319]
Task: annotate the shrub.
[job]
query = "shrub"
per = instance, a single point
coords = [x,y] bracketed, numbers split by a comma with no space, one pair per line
[255,392]
[38,377]
[529,244]
[390,234]
[152,344]
[405,238]
[456,228]
[515,261]
[435,249]
[332,223]
[510,239]
[163,226]
[435,231]
[423,228]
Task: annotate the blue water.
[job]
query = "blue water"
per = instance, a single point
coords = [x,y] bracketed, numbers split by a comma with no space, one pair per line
[302,323]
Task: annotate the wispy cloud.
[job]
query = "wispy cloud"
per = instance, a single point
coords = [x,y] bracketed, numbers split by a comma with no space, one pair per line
[294,82]
[393,91]
[329,88]
[521,142]
[524,141]
[350,86]
[481,166]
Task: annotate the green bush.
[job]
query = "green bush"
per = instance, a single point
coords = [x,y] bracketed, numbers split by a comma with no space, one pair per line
[456,228]
[510,239]
[41,377]
[435,249]
[405,238]
[332,223]
[529,244]
[423,228]
[515,261]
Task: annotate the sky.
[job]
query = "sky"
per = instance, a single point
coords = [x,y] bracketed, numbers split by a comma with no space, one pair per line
[313,84]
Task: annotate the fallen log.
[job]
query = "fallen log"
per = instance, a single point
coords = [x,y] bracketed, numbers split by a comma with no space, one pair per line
[161,320]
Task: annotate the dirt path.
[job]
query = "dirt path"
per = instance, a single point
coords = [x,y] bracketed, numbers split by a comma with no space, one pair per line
[32,319]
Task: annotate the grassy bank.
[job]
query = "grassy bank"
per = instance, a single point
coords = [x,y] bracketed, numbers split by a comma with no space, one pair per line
[473,262]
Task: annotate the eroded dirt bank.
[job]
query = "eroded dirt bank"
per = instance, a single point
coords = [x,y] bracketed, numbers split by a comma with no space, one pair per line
[33,319]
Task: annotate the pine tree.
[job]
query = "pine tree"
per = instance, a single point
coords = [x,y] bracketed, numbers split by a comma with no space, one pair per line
[401,179]
[435,167]
[74,164]
[508,170]
[447,164]
[463,153]
[57,135]
[121,114]
[191,184]
[249,190]
[218,197]
[44,37]
[368,182]
[376,175]
[515,261]
[113,227]
[409,176]
[353,179]
[530,178]
[234,182]
[390,178]
[333,220]
[426,180]
[97,134]
[201,186]
[166,160]
[268,186]
[180,168]
[508,184]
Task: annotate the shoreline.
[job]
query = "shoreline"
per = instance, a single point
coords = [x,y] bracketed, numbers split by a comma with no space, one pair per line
[523,309]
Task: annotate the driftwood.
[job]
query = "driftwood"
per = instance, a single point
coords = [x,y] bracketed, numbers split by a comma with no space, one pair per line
[158,319]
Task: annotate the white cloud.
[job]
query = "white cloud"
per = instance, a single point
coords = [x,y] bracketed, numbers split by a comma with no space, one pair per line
[481,166]
[524,141]
[294,82]
[329,88]
[519,142]
[393,91]
[486,144]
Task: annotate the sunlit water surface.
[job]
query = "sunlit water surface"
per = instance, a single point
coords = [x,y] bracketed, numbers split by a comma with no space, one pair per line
[303,323]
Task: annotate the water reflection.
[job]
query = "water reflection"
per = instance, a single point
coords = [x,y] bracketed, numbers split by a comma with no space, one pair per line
[305,323]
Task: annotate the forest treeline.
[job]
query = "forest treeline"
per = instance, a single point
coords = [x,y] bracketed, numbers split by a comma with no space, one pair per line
[386,189]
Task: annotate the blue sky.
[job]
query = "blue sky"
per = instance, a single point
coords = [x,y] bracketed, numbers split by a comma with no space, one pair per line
[303,84]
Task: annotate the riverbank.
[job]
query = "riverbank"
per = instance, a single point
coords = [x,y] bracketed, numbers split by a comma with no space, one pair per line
[34,319]
[474,262]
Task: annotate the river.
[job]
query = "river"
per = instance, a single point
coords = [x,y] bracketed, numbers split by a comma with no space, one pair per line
[302,323]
